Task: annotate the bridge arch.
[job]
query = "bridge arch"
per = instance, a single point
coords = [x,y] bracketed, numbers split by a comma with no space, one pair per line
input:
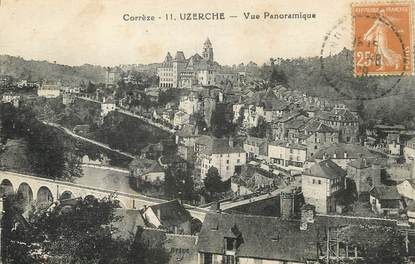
[44,197]
[47,191]
[25,194]
[66,195]
[6,187]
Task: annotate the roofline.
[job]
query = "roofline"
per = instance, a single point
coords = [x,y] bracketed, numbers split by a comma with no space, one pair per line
[247,256]
[358,217]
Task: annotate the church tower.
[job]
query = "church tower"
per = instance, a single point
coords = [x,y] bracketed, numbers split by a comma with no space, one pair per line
[208,50]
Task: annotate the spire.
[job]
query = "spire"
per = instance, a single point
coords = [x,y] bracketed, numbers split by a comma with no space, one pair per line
[207,42]
[168,57]
[208,50]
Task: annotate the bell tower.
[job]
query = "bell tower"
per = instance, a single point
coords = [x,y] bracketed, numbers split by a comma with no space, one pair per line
[208,50]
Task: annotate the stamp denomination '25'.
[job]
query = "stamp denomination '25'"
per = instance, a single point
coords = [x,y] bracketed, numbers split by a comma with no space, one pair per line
[383,39]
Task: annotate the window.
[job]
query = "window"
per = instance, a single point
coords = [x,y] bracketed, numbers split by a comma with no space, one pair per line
[319,181]
[227,161]
[314,181]
[227,167]
[207,258]
[229,260]
[230,243]
[238,161]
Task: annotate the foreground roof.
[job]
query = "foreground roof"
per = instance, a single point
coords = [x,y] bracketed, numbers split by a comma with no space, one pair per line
[128,220]
[172,213]
[262,237]
[274,238]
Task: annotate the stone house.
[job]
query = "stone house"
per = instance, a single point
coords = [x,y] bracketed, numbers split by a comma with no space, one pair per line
[321,185]
[365,174]
[256,148]
[145,171]
[170,216]
[385,200]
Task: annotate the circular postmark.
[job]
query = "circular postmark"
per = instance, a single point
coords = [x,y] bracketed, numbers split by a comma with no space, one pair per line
[337,63]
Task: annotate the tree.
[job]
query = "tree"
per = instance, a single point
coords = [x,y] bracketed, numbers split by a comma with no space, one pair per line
[277,76]
[220,124]
[50,152]
[79,232]
[260,130]
[376,244]
[213,182]
[179,184]
[91,88]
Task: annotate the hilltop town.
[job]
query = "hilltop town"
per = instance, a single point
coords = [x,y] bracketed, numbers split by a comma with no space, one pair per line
[205,162]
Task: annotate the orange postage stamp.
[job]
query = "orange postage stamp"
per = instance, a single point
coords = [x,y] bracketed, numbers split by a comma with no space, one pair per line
[383,42]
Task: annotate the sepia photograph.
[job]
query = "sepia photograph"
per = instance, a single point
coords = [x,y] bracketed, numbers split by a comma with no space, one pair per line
[207,132]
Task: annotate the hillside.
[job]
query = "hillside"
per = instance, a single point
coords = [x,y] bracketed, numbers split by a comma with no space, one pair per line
[386,99]
[20,68]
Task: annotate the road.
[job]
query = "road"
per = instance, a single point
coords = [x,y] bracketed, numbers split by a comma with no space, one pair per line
[232,204]
[126,112]
[147,120]
[105,146]
[105,178]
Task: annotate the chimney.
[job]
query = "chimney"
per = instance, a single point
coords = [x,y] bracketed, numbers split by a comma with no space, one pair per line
[307,216]
[158,213]
[287,204]
[231,141]
[2,204]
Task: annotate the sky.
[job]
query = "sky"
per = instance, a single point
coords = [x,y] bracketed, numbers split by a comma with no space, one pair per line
[75,32]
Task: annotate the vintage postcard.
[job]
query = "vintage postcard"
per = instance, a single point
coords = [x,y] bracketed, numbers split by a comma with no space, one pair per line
[207,132]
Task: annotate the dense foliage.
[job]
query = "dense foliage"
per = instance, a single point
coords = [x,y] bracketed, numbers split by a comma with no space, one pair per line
[50,153]
[214,186]
[376,244]
[221,122]
[76,232]
[127,133]
[179,184]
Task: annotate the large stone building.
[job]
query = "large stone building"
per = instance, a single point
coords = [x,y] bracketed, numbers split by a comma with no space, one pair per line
[344,121]
[49,89]
[287,155]
[179,72]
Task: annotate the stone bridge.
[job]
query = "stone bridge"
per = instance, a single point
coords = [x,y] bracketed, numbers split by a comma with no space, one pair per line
[43,192]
